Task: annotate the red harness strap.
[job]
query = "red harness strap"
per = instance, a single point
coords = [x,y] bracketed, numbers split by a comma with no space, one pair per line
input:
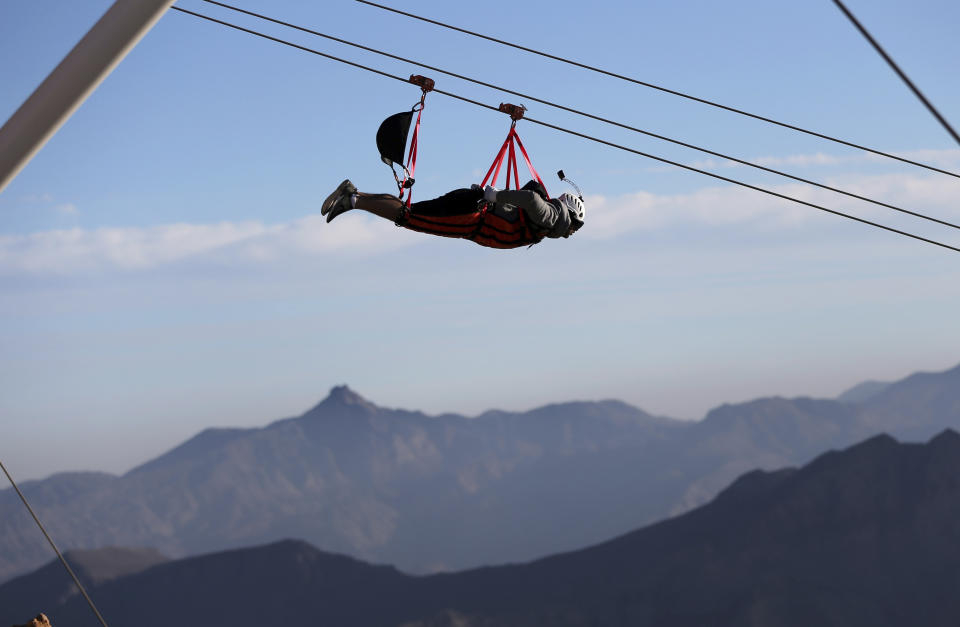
[507,149]
[412,157]
[482,226]
[526,158]
[496,232]
[426,86]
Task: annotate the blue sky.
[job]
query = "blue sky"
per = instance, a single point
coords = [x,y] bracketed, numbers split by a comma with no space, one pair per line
[164,267]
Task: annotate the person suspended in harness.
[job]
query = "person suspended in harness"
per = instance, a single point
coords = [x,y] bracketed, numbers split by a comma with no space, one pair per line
[507,218]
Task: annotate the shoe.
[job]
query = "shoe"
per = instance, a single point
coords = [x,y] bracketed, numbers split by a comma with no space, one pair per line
[341,207]
[340,196]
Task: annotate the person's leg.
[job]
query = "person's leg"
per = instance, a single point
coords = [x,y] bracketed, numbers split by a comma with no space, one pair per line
[384,205]
[455,214]
[457,202]
[390,207]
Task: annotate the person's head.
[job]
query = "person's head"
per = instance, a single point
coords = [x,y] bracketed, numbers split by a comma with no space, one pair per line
[574,206]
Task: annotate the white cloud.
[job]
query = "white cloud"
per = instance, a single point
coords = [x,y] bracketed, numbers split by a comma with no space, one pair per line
[129,248]
[77,250]
[67,209]
[728,205]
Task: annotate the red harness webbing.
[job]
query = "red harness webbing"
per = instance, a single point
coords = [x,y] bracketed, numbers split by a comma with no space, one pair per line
[507,149]
[482,227]
[412,157]
[426,85]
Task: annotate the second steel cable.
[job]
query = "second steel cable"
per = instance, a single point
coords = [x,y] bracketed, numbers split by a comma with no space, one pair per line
[708,151]
[576,133]
[659,88]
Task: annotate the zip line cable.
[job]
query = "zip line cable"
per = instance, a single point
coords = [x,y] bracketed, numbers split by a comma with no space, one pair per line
[582,113]
[897,69]
[574,133]
[748,185]
[55,549]
[663,89]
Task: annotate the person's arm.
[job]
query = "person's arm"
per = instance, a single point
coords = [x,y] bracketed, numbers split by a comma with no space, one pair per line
[540,212]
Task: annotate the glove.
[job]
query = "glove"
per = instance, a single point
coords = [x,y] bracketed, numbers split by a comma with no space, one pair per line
[490,193]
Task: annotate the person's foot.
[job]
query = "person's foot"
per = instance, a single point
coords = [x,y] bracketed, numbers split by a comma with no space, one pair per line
[339,201]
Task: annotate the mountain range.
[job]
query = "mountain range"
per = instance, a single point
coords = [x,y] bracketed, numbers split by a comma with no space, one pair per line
[50,586]
[863,537]
[441,493]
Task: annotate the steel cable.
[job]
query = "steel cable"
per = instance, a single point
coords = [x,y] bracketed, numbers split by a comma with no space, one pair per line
[582,113]
[571,132]
[660,88]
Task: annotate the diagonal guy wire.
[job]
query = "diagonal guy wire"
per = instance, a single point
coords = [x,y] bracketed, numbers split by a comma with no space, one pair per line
[55,549]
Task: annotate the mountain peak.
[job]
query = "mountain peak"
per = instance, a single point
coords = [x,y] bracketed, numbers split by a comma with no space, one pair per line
[946,438]
[343,395]
[340,400]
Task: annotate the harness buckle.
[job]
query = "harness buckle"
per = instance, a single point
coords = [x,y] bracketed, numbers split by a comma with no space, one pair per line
[424,83]
[514,111]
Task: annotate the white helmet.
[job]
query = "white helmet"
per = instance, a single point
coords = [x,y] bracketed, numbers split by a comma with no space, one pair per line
[573,204]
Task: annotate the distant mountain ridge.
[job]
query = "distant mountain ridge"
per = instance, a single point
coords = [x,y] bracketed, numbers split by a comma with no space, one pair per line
[450,492]
[51,585]
[863,392]
[346,474]
[927,398]
[863,537]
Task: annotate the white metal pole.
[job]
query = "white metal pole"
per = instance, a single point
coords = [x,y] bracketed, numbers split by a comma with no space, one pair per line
[75,78]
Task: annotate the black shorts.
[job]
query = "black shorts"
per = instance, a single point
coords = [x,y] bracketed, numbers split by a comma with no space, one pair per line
[461,201]
[455,203]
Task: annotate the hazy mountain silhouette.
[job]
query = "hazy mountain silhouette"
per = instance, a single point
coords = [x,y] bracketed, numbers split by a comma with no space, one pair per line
[867,536]
[348,475]
[450,492]
[926,399]
[862,392]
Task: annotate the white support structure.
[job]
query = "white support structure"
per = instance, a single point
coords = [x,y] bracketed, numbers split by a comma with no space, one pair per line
[75,78]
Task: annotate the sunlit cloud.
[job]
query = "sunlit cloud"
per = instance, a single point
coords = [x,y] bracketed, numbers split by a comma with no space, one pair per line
[728,205]
[126,249]
[69,251]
